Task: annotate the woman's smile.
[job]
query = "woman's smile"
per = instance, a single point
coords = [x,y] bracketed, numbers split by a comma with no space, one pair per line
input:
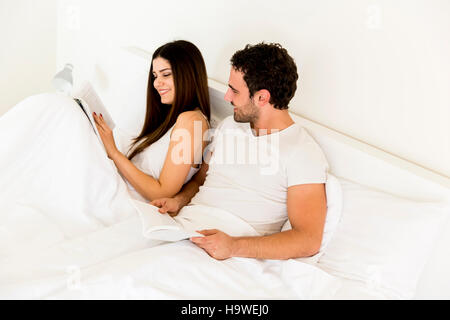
[163,91]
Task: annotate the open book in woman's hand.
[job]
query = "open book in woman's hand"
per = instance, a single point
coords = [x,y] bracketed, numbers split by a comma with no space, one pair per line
[161,226]
[89,101]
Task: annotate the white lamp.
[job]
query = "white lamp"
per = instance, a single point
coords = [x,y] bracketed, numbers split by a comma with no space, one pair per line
[63,80]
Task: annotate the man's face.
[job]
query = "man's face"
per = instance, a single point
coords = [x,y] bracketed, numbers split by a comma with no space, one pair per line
[239,96]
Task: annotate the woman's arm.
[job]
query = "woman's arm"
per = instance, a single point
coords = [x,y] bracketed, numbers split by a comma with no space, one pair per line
[173,205]
[183,147]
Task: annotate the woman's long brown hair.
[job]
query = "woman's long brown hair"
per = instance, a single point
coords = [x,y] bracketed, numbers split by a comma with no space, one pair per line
[191,92]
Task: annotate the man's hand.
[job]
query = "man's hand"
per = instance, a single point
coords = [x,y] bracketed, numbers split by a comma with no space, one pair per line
[216,243]
[170,206]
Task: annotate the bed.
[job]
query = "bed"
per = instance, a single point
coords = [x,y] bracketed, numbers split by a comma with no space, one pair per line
[390,242]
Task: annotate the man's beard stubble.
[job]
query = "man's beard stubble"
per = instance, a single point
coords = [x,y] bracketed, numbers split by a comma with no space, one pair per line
[251,115]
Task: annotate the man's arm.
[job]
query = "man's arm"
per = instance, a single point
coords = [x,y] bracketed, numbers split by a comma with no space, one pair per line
[306,210]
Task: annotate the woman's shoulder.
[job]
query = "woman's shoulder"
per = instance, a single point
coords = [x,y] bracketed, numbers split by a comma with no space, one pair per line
[188,118]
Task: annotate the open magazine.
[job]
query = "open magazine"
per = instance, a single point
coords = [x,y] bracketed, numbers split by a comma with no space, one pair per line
[158,226]
[86,97]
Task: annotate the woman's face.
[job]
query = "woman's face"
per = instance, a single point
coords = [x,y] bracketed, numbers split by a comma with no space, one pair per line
[163,80]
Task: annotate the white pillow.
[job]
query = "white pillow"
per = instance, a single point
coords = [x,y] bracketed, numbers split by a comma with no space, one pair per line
[334,208]
[383,240]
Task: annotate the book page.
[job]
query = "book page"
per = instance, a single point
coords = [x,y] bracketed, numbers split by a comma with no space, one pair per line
[87,111]
[92,103]
[152,219]
[158,226]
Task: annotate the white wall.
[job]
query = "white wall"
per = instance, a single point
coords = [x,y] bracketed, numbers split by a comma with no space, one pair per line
[28,49]
[376,70]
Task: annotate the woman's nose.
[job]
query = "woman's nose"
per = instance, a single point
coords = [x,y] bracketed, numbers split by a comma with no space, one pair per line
[157,83]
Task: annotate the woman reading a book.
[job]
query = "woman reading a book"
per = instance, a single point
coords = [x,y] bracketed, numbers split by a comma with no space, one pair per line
[53,164]
[159,162]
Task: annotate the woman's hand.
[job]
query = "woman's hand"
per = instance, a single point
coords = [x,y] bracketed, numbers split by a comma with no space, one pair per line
[106,135]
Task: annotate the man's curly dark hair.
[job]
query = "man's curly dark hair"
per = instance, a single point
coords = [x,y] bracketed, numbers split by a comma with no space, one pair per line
[268,66]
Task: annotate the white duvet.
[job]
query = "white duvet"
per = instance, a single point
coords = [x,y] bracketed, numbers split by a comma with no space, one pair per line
[68,230]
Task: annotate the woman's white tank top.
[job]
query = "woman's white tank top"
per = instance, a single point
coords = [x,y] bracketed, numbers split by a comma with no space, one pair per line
[151,161]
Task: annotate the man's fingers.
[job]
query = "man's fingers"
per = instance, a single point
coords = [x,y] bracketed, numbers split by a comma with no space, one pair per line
[195,239]
[199,240]
[156,203]
[206,248]
[161,204]
[208,232]
[163,209]
[196,242]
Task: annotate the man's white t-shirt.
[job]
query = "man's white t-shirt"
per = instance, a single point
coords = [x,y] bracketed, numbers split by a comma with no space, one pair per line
[249,175]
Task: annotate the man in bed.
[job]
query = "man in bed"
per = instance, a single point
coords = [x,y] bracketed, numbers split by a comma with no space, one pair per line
[277,173]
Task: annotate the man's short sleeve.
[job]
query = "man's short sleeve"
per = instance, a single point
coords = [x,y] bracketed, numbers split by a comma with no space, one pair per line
[306,164]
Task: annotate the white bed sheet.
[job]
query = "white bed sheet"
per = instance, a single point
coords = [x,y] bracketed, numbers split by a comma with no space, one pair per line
[118,263]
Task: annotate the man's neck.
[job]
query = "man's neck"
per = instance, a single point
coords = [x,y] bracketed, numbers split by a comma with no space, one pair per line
[273,121]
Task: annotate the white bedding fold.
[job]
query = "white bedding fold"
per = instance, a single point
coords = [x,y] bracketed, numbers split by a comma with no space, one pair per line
[52,162]
[117,262]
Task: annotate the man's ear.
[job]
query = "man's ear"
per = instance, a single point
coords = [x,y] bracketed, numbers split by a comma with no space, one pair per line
[262,97]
